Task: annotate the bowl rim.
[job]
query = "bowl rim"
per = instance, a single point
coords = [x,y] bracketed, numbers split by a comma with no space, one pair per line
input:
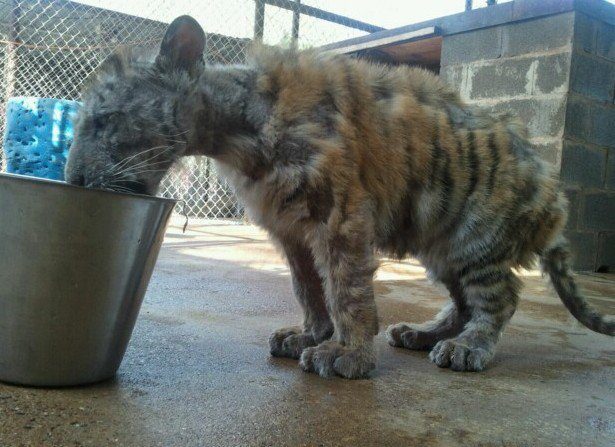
[62,184]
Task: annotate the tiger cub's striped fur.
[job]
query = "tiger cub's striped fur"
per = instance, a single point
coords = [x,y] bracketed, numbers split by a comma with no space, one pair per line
[340,160]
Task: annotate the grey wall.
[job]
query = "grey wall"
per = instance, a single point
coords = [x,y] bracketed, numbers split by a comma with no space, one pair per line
[557,73]
[588,156]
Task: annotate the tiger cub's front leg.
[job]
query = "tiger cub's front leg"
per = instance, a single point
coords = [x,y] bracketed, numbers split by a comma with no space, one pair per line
[345,256]
[308,288]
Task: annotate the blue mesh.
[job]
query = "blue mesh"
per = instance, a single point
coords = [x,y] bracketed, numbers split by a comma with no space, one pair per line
[38,135]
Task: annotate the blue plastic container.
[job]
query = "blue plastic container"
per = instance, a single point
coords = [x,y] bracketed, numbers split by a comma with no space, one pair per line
[39,132]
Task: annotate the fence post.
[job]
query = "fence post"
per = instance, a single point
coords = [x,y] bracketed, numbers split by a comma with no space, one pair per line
[296,18]
[259,20]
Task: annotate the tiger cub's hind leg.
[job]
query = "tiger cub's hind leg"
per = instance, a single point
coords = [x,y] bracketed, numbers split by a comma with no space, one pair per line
[491,295]
[448,323]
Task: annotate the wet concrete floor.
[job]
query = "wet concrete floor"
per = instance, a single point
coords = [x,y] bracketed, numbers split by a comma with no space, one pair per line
[198,371]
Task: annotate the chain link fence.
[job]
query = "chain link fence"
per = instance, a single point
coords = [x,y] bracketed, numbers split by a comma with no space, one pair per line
[49,47]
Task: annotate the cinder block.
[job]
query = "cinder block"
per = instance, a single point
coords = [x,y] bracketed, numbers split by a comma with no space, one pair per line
[535,8]
[606,251]
[605,41]
[472,46]
[552,74]
[504,78]
[593,77]
[584,247]
[512,77]
[537,35]
[598,211]
[602,125]
[583,166]
[585,32]
[544,117]
[610,170]
[578,118]
[574,205]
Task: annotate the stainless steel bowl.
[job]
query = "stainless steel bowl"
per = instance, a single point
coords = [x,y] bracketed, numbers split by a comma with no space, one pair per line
[74,267]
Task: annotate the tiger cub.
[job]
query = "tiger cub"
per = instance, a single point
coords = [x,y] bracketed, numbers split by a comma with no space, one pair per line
[341,160]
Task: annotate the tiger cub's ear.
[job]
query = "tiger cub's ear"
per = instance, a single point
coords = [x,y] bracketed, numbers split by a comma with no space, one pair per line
[183,43]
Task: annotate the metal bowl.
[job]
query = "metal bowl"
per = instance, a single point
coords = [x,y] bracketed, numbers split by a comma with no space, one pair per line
[74,267]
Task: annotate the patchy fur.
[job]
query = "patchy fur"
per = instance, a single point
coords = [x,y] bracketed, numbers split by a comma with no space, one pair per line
[339,159]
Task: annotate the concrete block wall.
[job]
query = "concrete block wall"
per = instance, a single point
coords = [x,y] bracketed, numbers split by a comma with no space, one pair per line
[588,155]
[523,68]
[557,73]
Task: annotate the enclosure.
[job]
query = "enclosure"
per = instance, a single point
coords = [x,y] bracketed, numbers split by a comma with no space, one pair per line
[551,63]
[198,370]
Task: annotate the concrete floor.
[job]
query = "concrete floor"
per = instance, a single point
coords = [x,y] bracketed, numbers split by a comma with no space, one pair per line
[198,371]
